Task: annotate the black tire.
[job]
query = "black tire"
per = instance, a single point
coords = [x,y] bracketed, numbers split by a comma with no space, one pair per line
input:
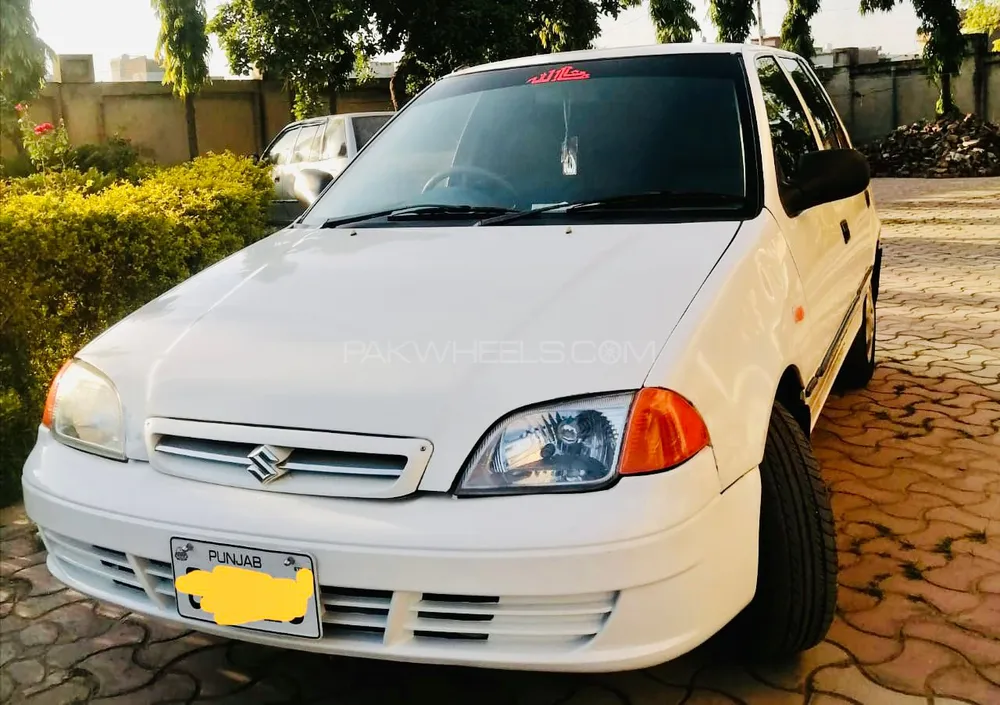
[859,364]
[796,595]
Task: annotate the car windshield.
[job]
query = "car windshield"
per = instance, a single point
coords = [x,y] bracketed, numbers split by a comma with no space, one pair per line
[529,137]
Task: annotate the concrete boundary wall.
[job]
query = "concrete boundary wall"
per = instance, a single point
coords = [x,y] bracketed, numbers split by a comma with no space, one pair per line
[875,98]
[239,115]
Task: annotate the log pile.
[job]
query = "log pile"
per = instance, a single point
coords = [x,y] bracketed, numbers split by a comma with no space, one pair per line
[948,147]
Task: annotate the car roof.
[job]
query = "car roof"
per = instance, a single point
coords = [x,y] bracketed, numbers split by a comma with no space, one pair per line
[625,52]
[320,118]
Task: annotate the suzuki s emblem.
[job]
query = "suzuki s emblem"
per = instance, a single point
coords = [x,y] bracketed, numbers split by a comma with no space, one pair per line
[267,463]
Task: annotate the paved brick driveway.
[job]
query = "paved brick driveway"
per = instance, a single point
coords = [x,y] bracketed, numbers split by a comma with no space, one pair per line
[914,463]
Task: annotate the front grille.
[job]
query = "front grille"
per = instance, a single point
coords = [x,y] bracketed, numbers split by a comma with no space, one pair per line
[376,617]
[302,462]
[112,570]
[549,621]
[353,612]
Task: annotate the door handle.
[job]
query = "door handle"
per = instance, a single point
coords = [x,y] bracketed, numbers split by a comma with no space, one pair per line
[845,230]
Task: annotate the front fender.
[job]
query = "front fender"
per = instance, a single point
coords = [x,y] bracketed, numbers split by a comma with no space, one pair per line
[729,350]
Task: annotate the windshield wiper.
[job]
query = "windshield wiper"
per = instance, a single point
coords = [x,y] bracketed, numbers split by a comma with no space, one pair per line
[647,199]
[431,211]
[415,212]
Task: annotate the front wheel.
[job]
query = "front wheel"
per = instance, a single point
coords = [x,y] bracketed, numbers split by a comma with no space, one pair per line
[796,594]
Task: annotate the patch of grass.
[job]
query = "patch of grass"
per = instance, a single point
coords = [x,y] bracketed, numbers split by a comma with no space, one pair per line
[977,536]
[917,598]
[944,546]
[880,528]
[912,571]
[873,590]
[906,545]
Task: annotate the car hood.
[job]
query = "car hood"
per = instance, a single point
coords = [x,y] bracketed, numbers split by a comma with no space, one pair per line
[416,332]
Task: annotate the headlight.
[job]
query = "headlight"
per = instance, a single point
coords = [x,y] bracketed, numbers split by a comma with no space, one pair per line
[585,444]
[83,410]
[566,446]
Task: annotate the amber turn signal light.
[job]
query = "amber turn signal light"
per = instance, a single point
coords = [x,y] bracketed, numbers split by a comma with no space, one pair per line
[50,399]
[664,430]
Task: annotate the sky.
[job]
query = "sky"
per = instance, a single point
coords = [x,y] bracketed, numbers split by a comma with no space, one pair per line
[110,28]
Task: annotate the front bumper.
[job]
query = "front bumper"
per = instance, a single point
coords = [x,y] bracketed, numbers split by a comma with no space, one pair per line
[624,578]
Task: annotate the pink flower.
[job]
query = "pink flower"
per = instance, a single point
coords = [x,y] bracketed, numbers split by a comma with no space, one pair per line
[44,128]
[19,108]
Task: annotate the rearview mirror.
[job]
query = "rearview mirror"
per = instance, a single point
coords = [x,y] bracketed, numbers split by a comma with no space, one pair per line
[826,176]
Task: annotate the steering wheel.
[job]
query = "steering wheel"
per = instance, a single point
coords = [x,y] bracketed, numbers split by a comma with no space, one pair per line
[468,171]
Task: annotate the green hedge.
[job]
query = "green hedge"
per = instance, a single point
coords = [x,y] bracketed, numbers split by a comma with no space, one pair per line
[80,251]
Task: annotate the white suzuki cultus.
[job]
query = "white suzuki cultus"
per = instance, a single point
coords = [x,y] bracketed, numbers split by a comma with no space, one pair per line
[530,385]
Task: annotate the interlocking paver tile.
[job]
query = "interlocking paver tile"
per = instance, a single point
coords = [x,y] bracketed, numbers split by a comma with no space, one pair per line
[912,462]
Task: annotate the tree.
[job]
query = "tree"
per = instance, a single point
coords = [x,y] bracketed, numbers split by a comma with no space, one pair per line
[182,49]
[474,31]
[796,33]
[732,18]
[945,47]
[308,44]
[982,17]
[315,45]
[22,64]
[673,20]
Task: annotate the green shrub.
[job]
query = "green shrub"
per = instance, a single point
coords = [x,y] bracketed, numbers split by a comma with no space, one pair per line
[74,259]
[91,181]
[116,156]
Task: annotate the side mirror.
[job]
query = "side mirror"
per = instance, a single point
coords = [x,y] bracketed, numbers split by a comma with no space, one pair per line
[308,186]
[826,176]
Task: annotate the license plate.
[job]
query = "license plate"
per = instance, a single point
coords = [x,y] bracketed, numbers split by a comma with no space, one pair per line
[255,589]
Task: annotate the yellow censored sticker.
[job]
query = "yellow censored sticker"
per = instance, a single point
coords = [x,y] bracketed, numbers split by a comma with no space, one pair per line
[238,596]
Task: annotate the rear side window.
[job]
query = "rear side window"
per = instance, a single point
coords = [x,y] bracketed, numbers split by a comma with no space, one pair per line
[791,134]
[366,127]
[831,134]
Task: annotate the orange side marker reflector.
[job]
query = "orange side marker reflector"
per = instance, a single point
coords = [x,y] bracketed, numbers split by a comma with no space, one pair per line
[800,314]
[663,431]
[50,398]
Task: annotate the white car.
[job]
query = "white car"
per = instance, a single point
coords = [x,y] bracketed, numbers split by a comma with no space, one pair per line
[307,155]
[529,386]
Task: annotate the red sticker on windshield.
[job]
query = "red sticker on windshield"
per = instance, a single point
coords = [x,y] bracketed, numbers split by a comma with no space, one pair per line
[566,73]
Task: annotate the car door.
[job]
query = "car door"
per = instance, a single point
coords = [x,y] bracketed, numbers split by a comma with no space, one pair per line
[305,155]
[335,147]
[857,220]
[813,236]
[278,154]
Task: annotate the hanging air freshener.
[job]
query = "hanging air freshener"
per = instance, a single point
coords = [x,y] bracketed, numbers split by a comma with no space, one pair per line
[570,149]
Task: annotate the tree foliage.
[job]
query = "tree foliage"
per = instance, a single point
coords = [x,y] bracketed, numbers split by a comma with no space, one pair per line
[796,31]
[22,63]
[732,19]
[182,44]
[315,45]
[982,16]
[673,20]
[308,44]
[941,25]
